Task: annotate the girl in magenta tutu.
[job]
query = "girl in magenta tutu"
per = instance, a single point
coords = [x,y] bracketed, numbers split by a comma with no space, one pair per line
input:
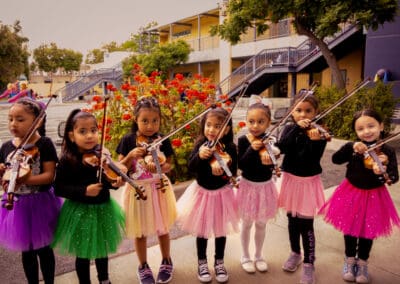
[29,224]
[361,206]
[257,193]
[208,208]
[301,193]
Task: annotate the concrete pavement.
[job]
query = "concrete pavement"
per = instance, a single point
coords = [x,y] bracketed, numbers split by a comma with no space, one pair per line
[384,263]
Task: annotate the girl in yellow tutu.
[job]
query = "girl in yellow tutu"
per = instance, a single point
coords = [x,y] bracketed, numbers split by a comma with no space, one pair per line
[156,214]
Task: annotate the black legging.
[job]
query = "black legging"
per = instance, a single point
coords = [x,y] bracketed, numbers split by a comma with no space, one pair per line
[201,244]
[304,228]
[82,266]
[31,265]
[360,247]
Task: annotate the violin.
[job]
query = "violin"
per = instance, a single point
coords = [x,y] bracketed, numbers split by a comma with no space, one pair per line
[18,168]
[111,171]
[323,131]
[223,159]
[268,149]
[370,158]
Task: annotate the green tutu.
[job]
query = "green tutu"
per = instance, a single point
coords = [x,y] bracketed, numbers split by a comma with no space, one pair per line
[89,230]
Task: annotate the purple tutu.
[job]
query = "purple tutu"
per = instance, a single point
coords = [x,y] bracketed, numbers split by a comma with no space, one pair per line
[258,200]
[31,224]
[361,213]
[207,213]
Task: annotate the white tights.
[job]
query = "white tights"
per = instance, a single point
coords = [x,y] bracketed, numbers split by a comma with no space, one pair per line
[259,236]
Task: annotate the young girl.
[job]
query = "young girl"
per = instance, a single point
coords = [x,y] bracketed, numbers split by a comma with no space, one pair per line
[157,214]
[29,224]
[91,224]
[361,206]
[257,193]
[301,193]
[208,207]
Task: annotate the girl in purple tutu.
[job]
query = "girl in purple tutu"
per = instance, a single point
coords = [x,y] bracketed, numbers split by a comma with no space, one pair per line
[257,193]
[208,208]
[361,206]
[301,193]
[28,222]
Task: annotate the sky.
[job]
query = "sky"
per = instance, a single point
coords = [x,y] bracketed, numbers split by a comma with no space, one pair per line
[83,25]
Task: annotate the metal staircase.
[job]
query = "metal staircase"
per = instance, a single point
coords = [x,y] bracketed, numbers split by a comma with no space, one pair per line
[80,86]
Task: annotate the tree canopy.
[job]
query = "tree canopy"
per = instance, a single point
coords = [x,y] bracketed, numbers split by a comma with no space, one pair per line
[13,54]
[315,19]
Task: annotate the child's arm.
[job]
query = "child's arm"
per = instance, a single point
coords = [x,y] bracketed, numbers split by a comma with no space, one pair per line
[344,154]
[46,177]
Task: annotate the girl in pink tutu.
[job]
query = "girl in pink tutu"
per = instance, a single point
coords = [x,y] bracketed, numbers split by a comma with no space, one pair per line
[361,206]
[257,193]
[28,223]
[208,208]
[301,193]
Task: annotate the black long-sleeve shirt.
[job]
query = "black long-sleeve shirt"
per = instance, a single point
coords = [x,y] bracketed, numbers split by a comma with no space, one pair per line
[358,174]
[250,163]
[302,155]
[202,168]
[72,180]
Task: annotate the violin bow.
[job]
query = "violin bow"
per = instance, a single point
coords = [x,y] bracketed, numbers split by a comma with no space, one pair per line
[383,141]
[103,128]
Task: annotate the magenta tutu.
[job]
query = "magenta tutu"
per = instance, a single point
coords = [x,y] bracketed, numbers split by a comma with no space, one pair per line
[31,224]
[302,196]
[208,213]
[258,200]
[361,213]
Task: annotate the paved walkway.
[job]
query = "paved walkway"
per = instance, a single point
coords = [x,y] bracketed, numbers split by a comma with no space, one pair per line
[384,264]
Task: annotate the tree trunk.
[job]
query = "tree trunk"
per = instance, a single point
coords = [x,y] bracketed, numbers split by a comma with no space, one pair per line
[326,53]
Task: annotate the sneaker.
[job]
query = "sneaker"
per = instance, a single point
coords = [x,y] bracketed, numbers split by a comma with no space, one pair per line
[145,274]
[165,271]
[221,275]
[307,277]
[362,272]
[203,274]
[292,262]
[349,269]
[248,265]
[261,265]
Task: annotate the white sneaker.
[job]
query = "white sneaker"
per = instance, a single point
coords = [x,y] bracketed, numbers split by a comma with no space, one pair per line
[203,274]
[261,265]
[221,275]
[248,265]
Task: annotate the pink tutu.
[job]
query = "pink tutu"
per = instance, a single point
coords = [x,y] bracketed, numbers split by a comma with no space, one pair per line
[258,201]
[302,196]
[206,213]
[361,213]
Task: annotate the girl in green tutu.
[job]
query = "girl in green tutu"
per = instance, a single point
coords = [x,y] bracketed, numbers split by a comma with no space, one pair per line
[91,224]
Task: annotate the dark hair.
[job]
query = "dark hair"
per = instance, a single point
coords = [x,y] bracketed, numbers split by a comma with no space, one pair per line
[70,150]
[144,103]
[262,107]
[311,99]
[34,108]
[221,114]
[365,112]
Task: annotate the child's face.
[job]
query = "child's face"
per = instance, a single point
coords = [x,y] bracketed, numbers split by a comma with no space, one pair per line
[368,129]
[212,127]
[19,120]
[257,122]
[304,111]
[148,122]
[85,134]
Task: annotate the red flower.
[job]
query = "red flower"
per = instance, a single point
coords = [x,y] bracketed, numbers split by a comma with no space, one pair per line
[187,127]
[176,142]
[126,116]
[242,124]
[97,98]
[109,87]
[179,77]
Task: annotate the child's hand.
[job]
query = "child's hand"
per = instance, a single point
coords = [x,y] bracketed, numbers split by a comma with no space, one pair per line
[216,169]
[304,123]
[151,167]
[137,153]
[360,148]
[257,144]
[2,169]
[93,189]
[377,170]
[314,134]
[166,167]
[118,183]
[205,152]
[266,159]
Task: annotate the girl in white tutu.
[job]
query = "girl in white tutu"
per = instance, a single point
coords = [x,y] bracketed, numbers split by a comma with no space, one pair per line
[208,208]
[257,193]
[301,193]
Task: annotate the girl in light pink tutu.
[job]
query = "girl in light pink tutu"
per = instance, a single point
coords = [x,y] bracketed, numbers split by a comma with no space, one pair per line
[257,193]
[361,206]
[208,208]
[301,193]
